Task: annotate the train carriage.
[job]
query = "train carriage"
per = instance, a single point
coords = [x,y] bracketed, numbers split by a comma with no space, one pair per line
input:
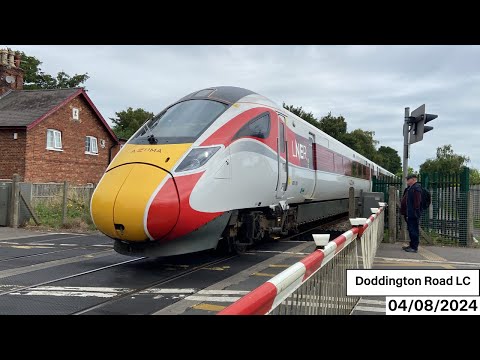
[223,164]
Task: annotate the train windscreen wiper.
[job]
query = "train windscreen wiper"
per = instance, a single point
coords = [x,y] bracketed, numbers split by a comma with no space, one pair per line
[151,139]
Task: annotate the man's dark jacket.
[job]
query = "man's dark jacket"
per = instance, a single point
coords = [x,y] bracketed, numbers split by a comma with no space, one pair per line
[411,201]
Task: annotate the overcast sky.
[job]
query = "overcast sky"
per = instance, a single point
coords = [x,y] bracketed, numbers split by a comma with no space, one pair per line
[369,85]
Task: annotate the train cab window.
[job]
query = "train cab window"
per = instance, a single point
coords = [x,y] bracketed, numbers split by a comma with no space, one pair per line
[258,127]
[183,122]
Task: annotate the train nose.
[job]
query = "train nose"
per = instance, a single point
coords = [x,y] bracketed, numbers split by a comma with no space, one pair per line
[121,203]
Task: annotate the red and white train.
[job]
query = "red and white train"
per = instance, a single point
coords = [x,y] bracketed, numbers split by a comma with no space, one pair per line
[223,163]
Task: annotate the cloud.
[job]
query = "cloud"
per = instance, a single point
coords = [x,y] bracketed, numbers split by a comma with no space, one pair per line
[369,85]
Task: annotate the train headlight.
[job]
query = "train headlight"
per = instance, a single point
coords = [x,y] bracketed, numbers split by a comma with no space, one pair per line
[197,158]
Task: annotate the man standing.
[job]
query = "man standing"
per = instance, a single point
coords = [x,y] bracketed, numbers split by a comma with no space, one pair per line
[411,210]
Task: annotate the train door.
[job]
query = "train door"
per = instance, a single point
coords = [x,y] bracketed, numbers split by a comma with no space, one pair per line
[312,161]
[282,158]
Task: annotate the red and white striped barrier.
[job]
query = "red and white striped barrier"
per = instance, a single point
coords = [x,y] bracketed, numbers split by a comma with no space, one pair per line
[269,295]
[371,219]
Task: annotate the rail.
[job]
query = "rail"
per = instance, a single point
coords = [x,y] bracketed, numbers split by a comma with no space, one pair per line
[317,283]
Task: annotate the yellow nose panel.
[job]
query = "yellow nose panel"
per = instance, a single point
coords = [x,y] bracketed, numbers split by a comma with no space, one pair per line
[123,193]
[104,197]
[132,200]
[164,156]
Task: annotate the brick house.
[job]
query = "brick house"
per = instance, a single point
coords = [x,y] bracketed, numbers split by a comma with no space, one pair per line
[50,135]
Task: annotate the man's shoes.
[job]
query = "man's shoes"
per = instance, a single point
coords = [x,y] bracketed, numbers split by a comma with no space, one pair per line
[405,247]
[409,249]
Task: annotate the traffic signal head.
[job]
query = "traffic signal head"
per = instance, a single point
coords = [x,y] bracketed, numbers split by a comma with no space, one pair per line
[429,117]
[427,129]
[418,119]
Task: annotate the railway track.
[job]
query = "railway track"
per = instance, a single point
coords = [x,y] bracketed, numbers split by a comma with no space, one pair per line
[133,291]
[154,284]
[324,225]
[70,276]
[66,248]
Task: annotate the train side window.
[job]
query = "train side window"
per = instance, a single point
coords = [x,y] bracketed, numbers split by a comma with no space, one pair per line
[258,127]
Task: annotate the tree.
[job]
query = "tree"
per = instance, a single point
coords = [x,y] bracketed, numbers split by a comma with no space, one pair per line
[129,121]
[474,176]
[400,173]
[35,78]
[308,117]
[336,127]
[359,140]
[446,162]
[362,142]
[389,159]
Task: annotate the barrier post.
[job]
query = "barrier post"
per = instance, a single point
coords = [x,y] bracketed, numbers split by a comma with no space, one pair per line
[65,201]
[351,202]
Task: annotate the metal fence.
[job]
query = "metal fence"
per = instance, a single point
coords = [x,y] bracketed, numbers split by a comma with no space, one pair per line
[448,219]
[324,292]
[475,211]
[371,238]
[317,284]
[475,189]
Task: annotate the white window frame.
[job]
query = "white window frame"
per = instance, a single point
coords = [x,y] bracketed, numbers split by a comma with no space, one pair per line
[92,143]
[57,140]
[75,114]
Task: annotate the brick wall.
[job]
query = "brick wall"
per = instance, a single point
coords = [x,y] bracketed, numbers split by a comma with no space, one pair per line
[117,148]
[71,164]
[12,153]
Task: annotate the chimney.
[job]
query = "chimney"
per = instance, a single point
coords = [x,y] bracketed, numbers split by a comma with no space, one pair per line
[11,57]
[3,56]
[11,75]
[18,58]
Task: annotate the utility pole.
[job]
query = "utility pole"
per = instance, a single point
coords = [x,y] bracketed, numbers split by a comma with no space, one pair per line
[413,130]
[406,132]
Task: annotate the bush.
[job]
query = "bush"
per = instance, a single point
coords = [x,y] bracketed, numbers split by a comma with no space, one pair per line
[49,213]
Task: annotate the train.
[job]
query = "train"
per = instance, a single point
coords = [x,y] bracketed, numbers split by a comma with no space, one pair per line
[223,165]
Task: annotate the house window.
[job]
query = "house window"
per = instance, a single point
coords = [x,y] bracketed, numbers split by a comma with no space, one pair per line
[75,114]
[91,145]
[54,140]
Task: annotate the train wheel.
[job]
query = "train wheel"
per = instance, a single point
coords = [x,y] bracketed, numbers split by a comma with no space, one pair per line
[239,248]
[231,245]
